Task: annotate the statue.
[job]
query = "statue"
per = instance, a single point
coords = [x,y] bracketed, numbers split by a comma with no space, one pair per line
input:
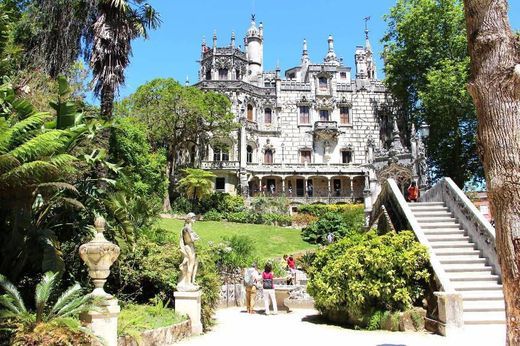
[189,263]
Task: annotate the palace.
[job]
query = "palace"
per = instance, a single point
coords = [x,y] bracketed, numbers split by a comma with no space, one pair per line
[317,133]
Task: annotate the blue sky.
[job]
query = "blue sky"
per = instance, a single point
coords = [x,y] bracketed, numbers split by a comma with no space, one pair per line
[173,49]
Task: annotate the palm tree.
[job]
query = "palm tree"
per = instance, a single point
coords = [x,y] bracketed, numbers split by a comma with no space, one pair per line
[197,183]
[63,313]
[118,23]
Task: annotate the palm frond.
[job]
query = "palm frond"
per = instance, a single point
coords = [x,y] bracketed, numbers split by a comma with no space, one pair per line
[34,172]
[71,202]
[54,186]
[76,306]
[69,295]
[8,162]
[45,144]
[43,292]
[13,293]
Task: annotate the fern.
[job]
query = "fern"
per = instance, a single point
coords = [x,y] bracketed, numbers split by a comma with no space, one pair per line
[45,144]
[43,292]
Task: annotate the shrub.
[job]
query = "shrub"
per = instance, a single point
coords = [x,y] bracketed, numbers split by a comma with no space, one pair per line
[303,220]
[222,203]
[319,210]
[213,215]
[305,261]
[278,219]
[245,217]
[265,205]
[331,222]
[363,273]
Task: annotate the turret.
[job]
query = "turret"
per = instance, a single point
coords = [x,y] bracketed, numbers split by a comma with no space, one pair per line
[305,54]
[254,47]
[331,58]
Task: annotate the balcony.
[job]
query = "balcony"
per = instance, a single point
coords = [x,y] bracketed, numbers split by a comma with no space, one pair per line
[230,165]
[326,130]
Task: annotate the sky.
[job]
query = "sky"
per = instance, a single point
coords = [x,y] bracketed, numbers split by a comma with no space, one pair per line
[173,49]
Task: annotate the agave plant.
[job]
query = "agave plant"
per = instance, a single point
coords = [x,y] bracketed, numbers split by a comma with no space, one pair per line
[63,315]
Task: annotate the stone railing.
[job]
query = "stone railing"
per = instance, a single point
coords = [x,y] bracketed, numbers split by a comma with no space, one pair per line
[471,219]
[220,165]
[449,302]
[344,87]
[325,125]
[294,85]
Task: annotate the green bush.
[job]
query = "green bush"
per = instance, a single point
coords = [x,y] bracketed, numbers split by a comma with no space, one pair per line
[330,222]
[267,205]
[278,219]
[363,273]
[213,215]
[319,210]
[222,203]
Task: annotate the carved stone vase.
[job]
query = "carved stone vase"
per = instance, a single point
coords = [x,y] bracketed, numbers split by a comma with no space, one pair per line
[99,254]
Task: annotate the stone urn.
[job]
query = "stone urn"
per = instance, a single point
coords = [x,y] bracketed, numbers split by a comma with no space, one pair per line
[99,254]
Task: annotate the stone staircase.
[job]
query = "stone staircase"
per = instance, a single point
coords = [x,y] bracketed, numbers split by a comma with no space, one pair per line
[483,300]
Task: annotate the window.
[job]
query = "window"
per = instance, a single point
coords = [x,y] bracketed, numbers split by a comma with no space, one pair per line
[305,156]
[237,72]
[292,76]
[322,82]
[268,116]
[249,112]
[208,75]
[344,116]
[268,157]
[324,115]
[343,75]
[249,157]
[223,73]
[304,115]
[220,153]
[220,184]
[346,156]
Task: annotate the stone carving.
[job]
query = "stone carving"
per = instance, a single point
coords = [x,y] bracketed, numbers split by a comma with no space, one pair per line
[189,263]
[99,254]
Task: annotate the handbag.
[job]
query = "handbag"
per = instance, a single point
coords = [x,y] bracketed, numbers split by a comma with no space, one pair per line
[267,283]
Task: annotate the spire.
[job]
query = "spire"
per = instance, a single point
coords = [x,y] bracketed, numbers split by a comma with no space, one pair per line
[214,38]
[187,82]
[331,58]
[367,41]
[305,55]
[253,30]
[232,39]
[396,139]
[203,46]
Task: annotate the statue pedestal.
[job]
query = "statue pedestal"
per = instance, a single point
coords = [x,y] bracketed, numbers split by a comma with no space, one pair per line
[188,303]
[103,323]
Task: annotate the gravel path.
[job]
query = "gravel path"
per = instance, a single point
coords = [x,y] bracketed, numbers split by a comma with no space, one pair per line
[305,327]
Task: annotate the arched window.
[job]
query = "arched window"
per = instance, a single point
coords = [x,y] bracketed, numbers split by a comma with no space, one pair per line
[220,152]
[250,112]
[268,115]
[208,75]
[249,157]
[322,82]
[223,74]
[268,157]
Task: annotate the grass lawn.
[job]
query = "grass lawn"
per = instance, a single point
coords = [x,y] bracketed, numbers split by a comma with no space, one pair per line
[269,241]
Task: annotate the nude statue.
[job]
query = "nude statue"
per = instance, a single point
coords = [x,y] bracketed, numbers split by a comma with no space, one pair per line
[189,263]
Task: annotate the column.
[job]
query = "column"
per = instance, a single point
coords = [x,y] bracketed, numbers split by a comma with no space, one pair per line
[351,180]
[328,181]
[305,187]
[283,185]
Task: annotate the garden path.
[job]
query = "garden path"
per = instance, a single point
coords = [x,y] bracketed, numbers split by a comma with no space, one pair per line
[304,327]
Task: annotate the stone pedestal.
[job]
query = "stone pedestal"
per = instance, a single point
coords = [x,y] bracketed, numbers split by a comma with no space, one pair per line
[188,303]
[103,323]
[450,313]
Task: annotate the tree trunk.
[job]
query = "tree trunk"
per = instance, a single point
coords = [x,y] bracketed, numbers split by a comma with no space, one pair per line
[495,89]
[107,102]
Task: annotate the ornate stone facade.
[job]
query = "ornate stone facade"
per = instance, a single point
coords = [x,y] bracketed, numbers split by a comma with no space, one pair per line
[308,134]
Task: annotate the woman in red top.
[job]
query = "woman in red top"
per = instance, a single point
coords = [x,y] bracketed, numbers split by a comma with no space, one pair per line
[268,286]
[413,192]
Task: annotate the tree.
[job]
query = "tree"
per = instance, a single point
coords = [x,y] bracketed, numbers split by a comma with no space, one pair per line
[181,120]
[427,67]
[197,183]
[495,88]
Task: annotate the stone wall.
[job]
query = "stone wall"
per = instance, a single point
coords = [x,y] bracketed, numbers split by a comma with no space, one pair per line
[161,336]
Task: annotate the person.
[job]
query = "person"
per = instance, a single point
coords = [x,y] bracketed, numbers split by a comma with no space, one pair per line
[251,278]
[413,192]
[290,191]
[309,190]
[272,189]
[268,286]
[264,189]
[330,238]
[189,263]
[291,263]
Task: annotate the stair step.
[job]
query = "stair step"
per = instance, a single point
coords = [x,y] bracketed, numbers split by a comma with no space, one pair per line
[422,208]
[476,286]
[435,219]
[473,276]
[456,251]
[463,259]
[443,225]
[461,267]
[484,317]
[480,306]
[482,296]
[447,237]
[440,213]
[425,203]
[458,244]
[434,231]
